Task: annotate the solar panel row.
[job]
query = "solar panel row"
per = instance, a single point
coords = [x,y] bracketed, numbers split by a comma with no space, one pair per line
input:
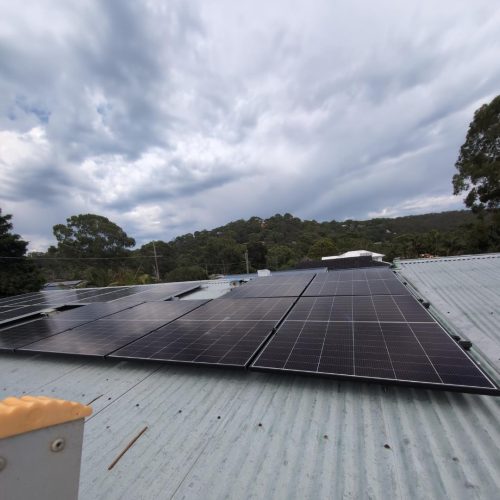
[34,303]
[418,353]
[273,286]
[87,322]
[381,333]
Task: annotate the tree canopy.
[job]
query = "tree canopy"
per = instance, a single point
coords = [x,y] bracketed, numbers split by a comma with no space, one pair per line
[17,274]
[478,164]
[91,235]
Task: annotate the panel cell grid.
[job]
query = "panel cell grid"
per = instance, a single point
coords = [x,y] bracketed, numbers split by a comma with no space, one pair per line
[166,311]
[221,343]
[20,312]
[94,339]
[412,353]
[20,335]
[356,282]
[273,286]
[389,308]
[272,309]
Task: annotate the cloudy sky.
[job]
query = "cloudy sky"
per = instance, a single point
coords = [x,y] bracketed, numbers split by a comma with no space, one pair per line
[174,116]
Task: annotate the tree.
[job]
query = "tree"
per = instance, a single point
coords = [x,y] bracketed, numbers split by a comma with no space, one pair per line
[91,235]
[17,273]
[187,273]
[478,164]
[257,252]
[322,248]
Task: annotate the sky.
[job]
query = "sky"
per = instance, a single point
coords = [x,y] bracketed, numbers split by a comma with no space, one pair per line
[169,117]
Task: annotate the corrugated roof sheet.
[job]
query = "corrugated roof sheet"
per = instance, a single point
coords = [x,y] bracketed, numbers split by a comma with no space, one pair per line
[465,292]
[216,433]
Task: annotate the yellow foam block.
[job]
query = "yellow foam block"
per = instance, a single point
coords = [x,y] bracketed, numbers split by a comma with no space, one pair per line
[29,413]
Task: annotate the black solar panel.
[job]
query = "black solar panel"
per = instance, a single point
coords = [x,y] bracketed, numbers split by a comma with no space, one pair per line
[255,309]
[221,343]
[355,282]
[165,311]
[129,294]
[419,354]
[272,286]
[105,335]
[27,333]
[92,312]
[221,332]
[360,308]
[94,339]
[21,312]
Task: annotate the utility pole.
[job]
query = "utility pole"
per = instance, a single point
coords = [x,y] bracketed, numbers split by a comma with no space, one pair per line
[156,263]
[246,261]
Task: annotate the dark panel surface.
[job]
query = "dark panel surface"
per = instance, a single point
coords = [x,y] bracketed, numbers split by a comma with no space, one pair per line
[27,333]
[271,309]
[356,282]
[20,312]
[400,308]
[272,286]
[223,343]
[92,312]
[113,327]
[410,353]
[94,339]
[165,311]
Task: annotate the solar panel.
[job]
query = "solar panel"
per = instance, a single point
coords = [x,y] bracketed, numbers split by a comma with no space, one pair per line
[165,311]
[91,312]
[127,294]
[400,308]
[220,343]
[355,282]
[27,333]
[417,354]
[272,286]
[255,309]
[94,339]
[106,334]
[23,312]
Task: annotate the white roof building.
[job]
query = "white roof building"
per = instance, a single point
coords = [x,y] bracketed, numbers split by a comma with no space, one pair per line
[356,253]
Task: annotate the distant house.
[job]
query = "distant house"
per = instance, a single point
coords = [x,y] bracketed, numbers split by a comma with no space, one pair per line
[356,253]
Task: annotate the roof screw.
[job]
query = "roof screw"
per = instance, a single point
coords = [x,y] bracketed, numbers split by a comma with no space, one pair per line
[57,444]
[3,463]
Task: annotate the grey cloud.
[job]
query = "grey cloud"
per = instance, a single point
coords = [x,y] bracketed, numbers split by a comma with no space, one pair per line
[338,111]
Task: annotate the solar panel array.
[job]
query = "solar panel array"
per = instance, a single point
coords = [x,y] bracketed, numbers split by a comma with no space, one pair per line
[360,324]
[31,304]
[389,338]
[291,285]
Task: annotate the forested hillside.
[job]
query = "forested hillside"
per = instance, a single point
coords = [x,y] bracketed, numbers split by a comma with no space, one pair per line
[93,248]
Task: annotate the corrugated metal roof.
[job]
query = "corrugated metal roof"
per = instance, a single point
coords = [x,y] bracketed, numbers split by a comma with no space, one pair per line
[465,292]
[216,433]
